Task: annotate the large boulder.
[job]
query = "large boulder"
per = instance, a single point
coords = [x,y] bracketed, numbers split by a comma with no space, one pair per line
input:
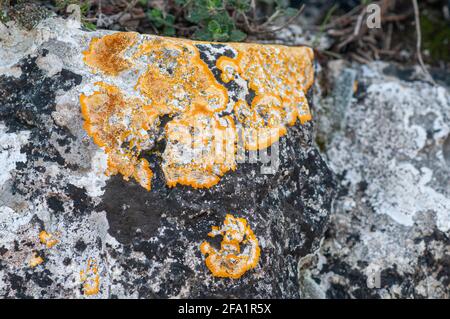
[386,134]
[67,229]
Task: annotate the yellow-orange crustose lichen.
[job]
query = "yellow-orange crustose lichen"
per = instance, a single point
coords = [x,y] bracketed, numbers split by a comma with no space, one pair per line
[121,127]
[239,249]
[47,239]
[35,260]
[173,80]
[90,278]
[107,53]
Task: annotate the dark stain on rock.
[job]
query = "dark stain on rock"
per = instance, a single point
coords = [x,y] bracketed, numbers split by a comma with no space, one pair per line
[390,277]
[18,286]
[67,261]
[3,250]
[210,57]
[80,246]
[55,204]
[27,103]
[81,201]
[40,278]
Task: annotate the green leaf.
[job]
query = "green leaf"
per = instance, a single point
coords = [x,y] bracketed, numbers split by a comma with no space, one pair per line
[220,37]
[281,4]
[240,5]
[214,4]
[290,12]
[156,17]
[169,31]
[84,7]
[89,25]
[197,15]
[214,27]
[202,35]
[3,17]
[237,36]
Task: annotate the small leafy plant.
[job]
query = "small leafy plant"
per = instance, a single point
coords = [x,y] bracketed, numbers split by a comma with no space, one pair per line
[209,20]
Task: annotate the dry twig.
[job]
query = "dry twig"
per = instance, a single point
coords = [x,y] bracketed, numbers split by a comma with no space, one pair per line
[419,42]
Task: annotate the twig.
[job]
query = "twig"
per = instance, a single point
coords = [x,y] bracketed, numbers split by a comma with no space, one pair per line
[419,42]
[388,39]
[319,35]
[130,6]
[291,19]
[271,18]
[349,14]
[359,22]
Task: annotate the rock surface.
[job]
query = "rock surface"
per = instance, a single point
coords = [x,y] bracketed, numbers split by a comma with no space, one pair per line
[388,142]
[133,242]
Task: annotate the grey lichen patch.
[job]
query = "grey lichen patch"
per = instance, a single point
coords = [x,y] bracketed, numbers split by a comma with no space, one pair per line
[28,14]
[389,234]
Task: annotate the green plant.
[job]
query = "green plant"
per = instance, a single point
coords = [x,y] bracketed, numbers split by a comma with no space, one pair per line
[436,38]
[161,20]
[212,20]
[3,17]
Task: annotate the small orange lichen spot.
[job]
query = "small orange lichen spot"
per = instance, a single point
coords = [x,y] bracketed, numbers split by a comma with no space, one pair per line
[47,239]
[355,87]
[90,278]
[121,126]
[231,261]
[35,260]
[107,53]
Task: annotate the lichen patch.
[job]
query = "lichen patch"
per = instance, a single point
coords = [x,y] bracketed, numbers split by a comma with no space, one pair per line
[90,278]
[35,260]
[106,54]
[48,239]
[232,261]
[199,92]
[120,126]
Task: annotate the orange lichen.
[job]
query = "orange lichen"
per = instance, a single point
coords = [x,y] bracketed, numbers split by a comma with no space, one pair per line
[175,82]
[200,148]
[231,261]
[90,278]
[47,239]
[107,53]
[263,121]
[120,126]
[189,81]
[229,68]
[35,260]
[280,78]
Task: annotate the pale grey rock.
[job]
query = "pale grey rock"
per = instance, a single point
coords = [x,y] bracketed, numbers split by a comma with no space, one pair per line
[389,235]
[146,244]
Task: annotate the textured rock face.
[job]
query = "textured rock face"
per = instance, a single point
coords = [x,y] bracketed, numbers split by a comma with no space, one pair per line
[388,141]
[69,230]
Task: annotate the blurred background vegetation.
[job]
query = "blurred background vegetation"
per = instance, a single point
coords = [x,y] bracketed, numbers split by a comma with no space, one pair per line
[338,21]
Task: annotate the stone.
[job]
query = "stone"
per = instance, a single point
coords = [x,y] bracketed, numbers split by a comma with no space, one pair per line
[389,231]
[100,194]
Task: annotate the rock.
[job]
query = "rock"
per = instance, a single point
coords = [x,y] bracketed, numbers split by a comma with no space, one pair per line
[69,230]
[389,235]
